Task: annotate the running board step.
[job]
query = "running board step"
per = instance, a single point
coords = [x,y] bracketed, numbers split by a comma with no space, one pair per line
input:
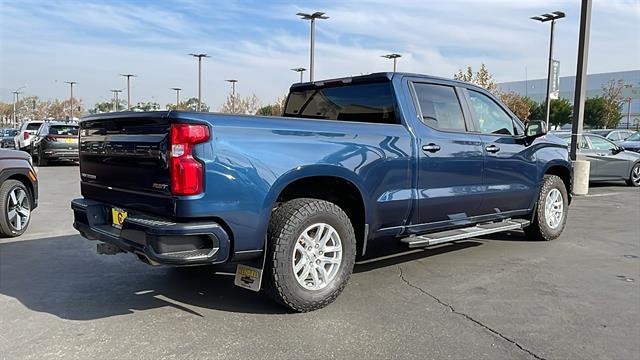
[464,233]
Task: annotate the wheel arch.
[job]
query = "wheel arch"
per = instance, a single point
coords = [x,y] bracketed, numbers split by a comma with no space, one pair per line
[563,172]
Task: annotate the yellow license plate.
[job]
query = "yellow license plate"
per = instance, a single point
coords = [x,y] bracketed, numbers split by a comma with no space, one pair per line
[71,141]
[118,216]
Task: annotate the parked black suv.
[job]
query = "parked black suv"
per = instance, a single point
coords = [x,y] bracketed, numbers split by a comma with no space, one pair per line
[55,140]
[18,192]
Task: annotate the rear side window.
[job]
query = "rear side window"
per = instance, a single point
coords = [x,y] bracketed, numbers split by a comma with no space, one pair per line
[63,130]
[599,143]
[490,117]
[440,107]
[33,126]
[374,103]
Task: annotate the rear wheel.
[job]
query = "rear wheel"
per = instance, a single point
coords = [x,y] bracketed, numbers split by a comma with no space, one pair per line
[311,254]
[41,161]
[551,210]
[15,208]
[634,177]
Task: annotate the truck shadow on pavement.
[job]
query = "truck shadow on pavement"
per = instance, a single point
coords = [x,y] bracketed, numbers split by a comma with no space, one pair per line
[64,276]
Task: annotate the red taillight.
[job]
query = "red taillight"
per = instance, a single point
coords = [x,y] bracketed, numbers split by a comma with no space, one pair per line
[186,172]
[25,135]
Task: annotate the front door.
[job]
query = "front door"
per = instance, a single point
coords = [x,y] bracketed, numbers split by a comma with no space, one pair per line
[605,160]
[450,160]
[510,169]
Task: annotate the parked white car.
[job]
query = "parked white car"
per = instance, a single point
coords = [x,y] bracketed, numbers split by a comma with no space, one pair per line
[26,134]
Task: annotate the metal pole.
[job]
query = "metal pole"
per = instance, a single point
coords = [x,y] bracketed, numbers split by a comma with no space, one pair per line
[301,72]
[177,98]
[233,97]
[129,93]
[581,78]
[628,111]
[313,32]
[71,117]
[15,125]
[549,69]
[199,81]
[394,64]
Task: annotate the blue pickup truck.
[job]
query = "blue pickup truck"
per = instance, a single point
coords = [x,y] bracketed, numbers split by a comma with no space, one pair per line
[293,200]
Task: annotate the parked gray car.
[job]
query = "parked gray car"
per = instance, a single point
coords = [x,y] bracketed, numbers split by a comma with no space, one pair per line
[608,160]
[615,135]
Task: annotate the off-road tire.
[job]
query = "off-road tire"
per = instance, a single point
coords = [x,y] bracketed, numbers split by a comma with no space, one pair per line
[288,221]
[539,230]
[630,180]
[6,230]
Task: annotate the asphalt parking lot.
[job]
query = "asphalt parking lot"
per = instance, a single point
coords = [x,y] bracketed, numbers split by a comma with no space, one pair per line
[497,297]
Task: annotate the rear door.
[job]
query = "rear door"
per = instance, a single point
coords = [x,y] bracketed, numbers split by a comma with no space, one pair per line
[450,159]
[510,167]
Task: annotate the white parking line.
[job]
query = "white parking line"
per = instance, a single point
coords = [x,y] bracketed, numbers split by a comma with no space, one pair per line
[605,194]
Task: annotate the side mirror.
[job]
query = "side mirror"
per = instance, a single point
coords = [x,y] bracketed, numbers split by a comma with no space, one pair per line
[618,149]
[535,128]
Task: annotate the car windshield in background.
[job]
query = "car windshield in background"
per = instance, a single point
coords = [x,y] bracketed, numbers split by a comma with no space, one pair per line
[634,137]
[372,103]
[11,132]
[33,126]
[63,130]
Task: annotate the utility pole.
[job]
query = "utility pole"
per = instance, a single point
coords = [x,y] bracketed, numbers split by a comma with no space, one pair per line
[116,106]
[128,76]
[393,57]
[580,167]
[233,94]
[177,90]
[200,56]
[71,83]
[544,18]
[300,70]
[312,17]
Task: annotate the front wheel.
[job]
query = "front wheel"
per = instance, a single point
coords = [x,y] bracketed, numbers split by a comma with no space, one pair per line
[311,254]
[15,208]
[551,211]
[634,177]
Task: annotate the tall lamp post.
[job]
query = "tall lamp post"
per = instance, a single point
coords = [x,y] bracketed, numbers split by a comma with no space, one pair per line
[393,57]
[71,83]
[312,18]
[544,18]
[128,76]
[199,56]
[300,70]
[17,92]
[233,94]
[115,92]
[177,90]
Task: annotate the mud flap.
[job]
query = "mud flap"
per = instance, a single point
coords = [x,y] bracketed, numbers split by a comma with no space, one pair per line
[250,277]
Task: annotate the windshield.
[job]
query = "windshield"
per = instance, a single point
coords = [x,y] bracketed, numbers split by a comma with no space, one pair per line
[372,102]
[10,132]
[634,137]
[63,130]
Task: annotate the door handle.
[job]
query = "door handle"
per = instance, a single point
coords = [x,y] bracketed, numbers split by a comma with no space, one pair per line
[431,147]
[492,148]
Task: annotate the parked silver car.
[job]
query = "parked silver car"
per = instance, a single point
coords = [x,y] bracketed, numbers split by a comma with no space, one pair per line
[632,143]
[608,160]
[614,135]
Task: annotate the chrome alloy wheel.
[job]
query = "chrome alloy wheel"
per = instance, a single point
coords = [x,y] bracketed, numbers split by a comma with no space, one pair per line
[635,175]
[554,208]
[18,209]
[317,256]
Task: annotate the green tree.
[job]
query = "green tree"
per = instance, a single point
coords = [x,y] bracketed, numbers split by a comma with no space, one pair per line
[612,95]
[466,75]
[594,112]
[146,106]
[190,105]
[560,113]
[519,105]
[536,109]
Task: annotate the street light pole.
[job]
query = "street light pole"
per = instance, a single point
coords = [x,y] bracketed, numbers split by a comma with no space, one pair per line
[544,18]
[300,70]
[580,167]
[177,90]
[128,76]
[393,57]
[16,93]
[233,94]
[71,83]
[115,92]
[199,56]
[312,17]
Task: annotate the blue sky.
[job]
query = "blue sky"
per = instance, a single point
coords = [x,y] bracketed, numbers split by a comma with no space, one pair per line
[44,43]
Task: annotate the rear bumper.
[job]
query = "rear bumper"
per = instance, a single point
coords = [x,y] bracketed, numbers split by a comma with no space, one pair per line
[61,154]
[159,241]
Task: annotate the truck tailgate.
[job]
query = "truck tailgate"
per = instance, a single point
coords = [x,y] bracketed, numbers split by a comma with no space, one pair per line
[123,161]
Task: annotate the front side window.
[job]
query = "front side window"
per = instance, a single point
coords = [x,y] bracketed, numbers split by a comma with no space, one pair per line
[490,117]
[372,102]
[440,107]
[599,143]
